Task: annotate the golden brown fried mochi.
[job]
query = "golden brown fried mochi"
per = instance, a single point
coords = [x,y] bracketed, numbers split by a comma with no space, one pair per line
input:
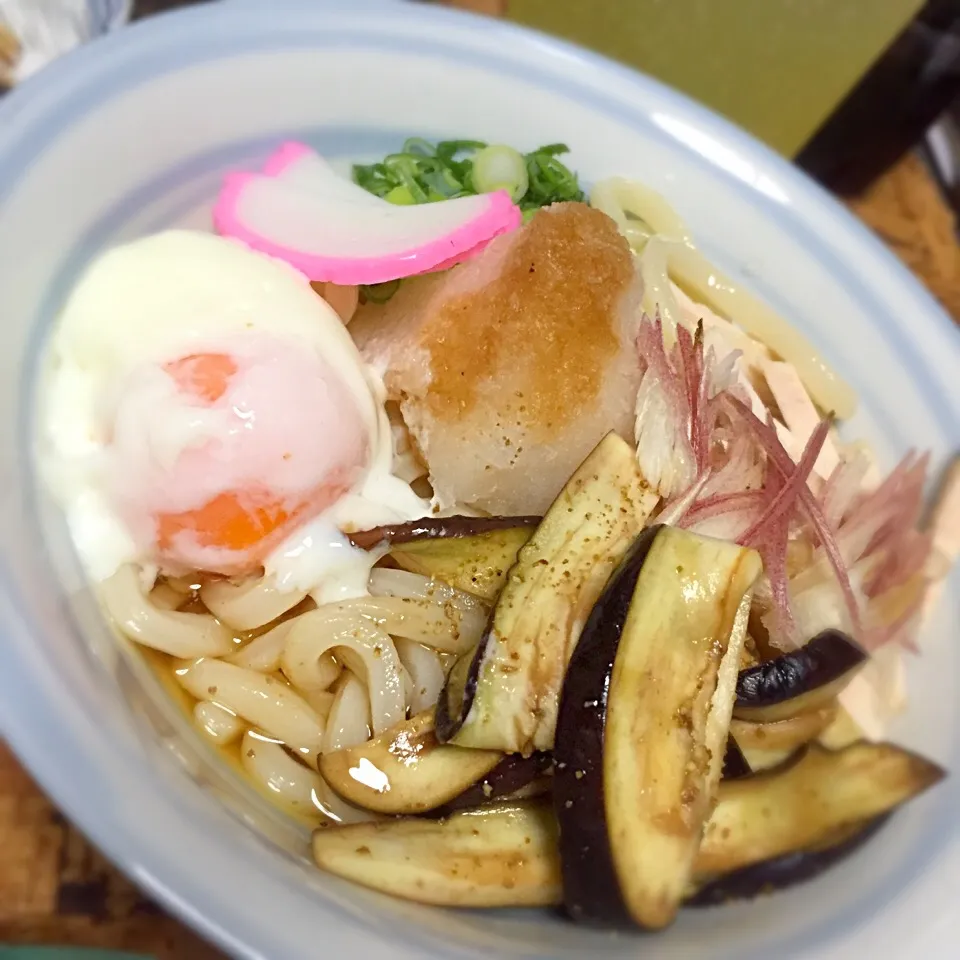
[510,368]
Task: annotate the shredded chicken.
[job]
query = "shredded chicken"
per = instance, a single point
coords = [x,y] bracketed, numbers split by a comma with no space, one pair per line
[944,529]
[798,414]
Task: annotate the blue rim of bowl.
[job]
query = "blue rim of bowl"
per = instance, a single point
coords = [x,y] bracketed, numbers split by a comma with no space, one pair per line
[20,141]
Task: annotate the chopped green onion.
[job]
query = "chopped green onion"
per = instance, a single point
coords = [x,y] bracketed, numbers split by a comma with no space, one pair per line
[550,180]
[500,168]
[405,168]
[419,146]
[373,178]
[553,149]
[401,196]
[423,172]
[443,181]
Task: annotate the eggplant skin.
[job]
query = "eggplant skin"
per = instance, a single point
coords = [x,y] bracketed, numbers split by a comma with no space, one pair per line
[591,890]
[512,773]
[735,765]
[478,564]
[800,680]
[440,527]
[643,724]
[785,871]
[459,691]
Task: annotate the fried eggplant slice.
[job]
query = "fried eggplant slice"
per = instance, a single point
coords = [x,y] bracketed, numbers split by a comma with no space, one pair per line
[789,734]
[643,724]
[507,854]
[505,696]
[800,681]
[513,776]
[773,814]
[503,855]
[735,764]
[787,870]
[437,528]
[405,770]
[478,563]
[768,761]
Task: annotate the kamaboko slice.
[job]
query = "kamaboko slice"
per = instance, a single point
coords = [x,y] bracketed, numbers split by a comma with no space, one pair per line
[300,211]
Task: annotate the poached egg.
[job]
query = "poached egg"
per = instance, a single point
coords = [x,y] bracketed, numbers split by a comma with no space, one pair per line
[203,409]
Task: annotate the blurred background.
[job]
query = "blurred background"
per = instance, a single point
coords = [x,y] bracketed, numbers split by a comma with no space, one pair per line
[844,87]
[862,94]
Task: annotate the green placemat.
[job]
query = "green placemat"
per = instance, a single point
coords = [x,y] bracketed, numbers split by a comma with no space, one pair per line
[777,67]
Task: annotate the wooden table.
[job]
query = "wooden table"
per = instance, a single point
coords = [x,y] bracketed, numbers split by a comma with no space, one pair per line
[56,889]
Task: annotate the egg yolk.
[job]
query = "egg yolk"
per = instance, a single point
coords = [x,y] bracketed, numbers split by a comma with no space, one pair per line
[236,521]
[240,452]
[206,375]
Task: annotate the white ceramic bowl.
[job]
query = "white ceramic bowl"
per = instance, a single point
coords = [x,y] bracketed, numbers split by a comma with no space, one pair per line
[132,134]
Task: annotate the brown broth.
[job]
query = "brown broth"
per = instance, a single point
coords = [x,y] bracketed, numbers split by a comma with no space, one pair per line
[161,665]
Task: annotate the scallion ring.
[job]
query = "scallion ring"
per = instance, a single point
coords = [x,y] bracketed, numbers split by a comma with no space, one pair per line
[500,168]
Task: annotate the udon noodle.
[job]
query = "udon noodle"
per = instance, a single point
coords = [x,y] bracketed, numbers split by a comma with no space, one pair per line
[290,680]
[290,784]
[667,252]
